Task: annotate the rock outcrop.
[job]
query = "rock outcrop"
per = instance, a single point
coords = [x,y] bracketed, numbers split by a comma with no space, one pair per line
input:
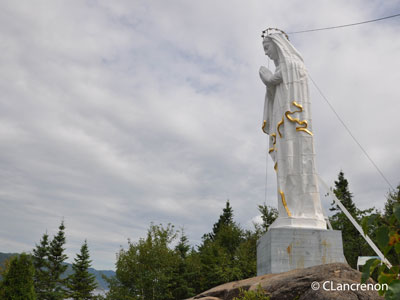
[296,284]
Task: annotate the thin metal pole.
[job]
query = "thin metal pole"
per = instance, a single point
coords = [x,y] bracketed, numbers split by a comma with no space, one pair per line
[356,225]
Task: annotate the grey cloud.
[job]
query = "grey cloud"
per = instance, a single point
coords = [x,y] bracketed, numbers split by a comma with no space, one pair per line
[118,114]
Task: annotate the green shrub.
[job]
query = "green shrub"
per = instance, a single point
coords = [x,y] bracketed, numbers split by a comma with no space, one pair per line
[388,236]
[258,294]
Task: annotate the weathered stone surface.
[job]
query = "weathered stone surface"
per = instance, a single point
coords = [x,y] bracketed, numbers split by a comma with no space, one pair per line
[296,284]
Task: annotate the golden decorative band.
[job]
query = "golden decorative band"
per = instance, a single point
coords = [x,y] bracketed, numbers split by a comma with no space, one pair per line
[298,106]
[279,125]
[296,120]
[284,203]
[273,136]
[276,166]
[263,126]
[304,129]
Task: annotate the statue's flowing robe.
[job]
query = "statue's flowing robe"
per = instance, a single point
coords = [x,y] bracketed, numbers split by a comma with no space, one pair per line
[287,121]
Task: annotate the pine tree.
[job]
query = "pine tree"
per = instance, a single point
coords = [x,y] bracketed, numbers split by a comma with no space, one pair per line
[342,192]
[41,264]
[226,233]
[268,215]
[182,276]
[220,249]
[56,265]
[226,218]
[392,198]
[81,283]
[354,244]
[17,283]
[182,248]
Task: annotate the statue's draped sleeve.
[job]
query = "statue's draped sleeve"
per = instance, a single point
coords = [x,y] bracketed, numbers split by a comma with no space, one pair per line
[274,80]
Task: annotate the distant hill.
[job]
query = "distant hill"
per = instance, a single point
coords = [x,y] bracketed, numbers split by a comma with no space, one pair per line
[102,284]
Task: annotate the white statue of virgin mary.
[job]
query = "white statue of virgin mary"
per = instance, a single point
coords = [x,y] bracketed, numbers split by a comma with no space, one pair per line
[287,121]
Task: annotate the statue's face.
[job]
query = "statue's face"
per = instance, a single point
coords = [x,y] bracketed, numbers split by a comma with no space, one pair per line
[270,50]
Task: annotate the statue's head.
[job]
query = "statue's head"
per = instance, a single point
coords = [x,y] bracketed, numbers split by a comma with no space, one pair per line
[270,48]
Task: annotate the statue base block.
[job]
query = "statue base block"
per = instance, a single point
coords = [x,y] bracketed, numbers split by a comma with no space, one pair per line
[284,249]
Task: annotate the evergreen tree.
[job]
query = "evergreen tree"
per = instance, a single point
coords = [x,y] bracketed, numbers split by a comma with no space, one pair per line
[246,255]
[17,283]
[56,265]
[226,233]
[182,275]
[342,192]
[354,244]
[41,264]
[195,276]
[182,248]
[225,219]
[81,283]
[268,215]
[392,198]
[222,251]
[217,266]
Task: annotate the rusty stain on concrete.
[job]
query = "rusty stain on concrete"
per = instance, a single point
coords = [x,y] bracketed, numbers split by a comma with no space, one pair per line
[289,252]
[326,248]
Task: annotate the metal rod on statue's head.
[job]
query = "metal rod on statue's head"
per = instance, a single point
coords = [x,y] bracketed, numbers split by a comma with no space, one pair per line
[266,32]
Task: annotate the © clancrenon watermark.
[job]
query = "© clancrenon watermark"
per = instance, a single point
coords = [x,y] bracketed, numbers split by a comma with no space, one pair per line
[332,286]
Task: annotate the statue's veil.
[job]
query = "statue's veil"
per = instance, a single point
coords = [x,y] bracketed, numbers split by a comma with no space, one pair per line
[290,60]
[294,74]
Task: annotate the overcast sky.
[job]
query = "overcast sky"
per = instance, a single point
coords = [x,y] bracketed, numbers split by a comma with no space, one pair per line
[116,114]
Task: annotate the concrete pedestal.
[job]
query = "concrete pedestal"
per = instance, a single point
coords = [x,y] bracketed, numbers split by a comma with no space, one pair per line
[284,249]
